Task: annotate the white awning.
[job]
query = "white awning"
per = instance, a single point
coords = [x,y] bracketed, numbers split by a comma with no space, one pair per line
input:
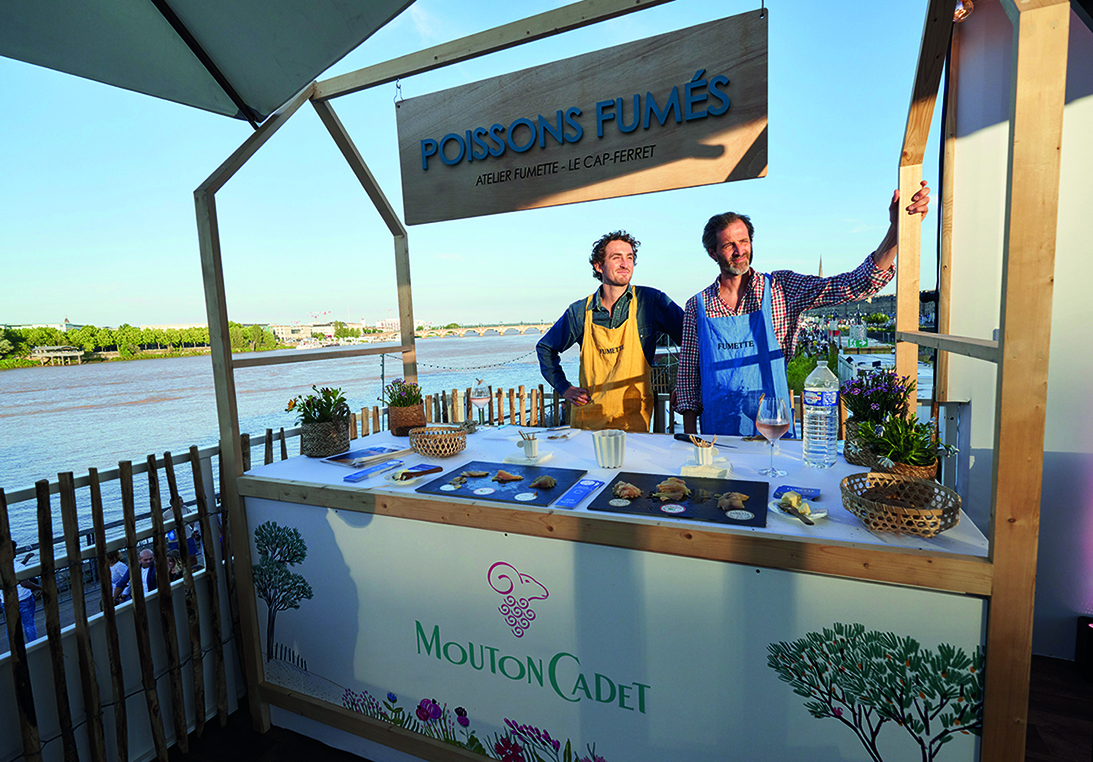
[240,58]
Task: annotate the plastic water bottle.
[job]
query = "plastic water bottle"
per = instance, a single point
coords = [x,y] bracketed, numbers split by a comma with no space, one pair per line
[821,424]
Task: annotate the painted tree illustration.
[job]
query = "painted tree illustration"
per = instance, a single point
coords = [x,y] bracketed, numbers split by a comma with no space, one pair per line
[279,548]
[868,679]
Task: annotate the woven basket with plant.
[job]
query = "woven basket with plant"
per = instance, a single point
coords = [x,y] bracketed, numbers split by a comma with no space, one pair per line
[404,407]
[905,446]
[871,398]
[324,422]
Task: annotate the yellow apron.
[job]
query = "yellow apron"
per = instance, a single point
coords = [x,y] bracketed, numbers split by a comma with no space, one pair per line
[616,374]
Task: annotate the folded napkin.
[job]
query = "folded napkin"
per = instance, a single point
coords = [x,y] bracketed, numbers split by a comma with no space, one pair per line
[522,461]
[707,472]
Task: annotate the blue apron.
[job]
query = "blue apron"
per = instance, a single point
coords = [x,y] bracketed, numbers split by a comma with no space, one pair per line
[739,360]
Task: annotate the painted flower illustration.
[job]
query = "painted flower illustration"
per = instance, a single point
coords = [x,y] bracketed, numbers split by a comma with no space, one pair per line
[508,750]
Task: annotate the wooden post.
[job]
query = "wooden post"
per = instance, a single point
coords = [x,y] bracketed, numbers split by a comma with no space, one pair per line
[352,426]
[522,396]
[284,445]
[542,406]
[85,656]
[193,617]
[533,406]
[555,418]
[364,422]
[1038,96]
[658,413]
[376,419]
[268,450]
[167,610]
[428,408]
[20,670]
[140,612]
[53,620]
[227,528]
[457,407]
[244,443]
[212,564]
[512,407]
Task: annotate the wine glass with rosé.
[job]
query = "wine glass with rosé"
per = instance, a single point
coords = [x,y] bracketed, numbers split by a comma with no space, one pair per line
[480,397]
[772,422]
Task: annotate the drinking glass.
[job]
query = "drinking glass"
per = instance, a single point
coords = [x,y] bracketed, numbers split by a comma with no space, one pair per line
[480,397]
[772,422]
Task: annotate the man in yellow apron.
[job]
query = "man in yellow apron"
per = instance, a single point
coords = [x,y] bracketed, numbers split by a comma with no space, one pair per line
[617,328]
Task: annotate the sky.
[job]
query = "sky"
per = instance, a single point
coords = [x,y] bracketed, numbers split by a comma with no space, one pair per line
[97,219]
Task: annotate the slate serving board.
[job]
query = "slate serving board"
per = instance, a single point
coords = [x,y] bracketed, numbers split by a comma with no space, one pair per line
[690,508]
[506,492]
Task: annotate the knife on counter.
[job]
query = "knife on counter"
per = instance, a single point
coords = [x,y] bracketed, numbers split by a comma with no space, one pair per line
[687,438]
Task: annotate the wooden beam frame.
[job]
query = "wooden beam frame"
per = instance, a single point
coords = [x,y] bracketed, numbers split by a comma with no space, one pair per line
[533,28]
[1038,95]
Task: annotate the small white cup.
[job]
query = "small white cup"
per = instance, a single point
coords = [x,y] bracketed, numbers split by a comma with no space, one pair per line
[530,448]
[610,446]
[704,455]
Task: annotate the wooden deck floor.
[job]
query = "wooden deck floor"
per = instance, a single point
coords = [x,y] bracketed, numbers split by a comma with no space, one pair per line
[1060,727]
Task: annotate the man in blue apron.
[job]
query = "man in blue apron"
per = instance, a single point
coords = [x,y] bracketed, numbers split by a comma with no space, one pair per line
[617,328]
[738,332]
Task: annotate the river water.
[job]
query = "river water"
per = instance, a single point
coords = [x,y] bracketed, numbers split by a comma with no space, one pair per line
[55,419]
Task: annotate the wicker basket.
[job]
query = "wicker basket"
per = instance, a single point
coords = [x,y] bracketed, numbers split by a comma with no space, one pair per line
[901,504]
[438,441]
[402,419]
[854,450]
[906,469]
[323,439]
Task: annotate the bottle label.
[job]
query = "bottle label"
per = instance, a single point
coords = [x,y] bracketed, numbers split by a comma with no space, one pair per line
[823,399]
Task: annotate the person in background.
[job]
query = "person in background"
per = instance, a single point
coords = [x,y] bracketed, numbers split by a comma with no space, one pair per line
[28,606]
[617,328]
[738,331]
[119,576]
[174,565]
[147,570]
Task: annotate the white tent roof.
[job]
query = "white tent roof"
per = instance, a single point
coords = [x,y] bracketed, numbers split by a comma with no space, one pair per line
[240,58]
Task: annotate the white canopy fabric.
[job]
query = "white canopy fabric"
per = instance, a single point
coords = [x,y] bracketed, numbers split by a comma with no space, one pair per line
[239,58]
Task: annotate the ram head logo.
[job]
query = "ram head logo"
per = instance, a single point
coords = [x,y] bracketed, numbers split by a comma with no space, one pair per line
[518,591]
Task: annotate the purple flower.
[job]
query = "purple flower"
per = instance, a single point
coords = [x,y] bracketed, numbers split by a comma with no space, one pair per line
[435,711]
[422,713]
[508,750]
[838,711]
[462,720]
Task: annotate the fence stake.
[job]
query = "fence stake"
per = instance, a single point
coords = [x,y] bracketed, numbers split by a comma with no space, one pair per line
[268,453]
[140,613]
[167,610]
[53,620]
[211,565]
[193,618]
[284,446]
[20,670]
[85,656]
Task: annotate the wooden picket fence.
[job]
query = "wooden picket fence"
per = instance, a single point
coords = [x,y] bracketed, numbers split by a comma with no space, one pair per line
[188,632]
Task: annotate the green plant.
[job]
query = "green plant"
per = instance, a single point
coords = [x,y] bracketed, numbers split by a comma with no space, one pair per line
[904,440]
[875,396]
[398,393]
[324,405]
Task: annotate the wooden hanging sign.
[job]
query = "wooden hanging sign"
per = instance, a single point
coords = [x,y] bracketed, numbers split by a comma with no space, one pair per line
[678,110]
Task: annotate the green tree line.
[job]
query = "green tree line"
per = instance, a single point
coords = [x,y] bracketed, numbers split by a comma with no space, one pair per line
[128,340]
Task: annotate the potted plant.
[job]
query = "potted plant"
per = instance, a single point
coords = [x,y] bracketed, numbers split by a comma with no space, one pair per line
[324,422]
[871,399]
[404,408]
[905,446]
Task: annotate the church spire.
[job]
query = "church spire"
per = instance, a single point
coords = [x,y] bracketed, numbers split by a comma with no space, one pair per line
[821,265]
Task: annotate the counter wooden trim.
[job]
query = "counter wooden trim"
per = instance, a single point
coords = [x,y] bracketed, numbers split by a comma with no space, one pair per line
[363,726]
[945,572]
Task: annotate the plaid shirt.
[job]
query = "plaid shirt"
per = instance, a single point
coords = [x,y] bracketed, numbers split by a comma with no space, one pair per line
[791,294]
